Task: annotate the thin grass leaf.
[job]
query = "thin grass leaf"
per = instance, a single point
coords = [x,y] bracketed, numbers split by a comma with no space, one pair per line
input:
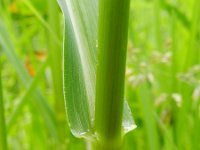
[180,15]
[55,52]
[9,50]
[42,21]
[26,96]
[149,117]
[3,133]
[158,37]
[192,55]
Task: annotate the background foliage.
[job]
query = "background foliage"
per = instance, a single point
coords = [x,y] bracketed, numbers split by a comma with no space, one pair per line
[162,77]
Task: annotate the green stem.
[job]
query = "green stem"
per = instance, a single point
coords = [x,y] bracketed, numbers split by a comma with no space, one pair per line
[112,47]
[158,36]
[193,52]
[56,68]
[144,93]
[3,140]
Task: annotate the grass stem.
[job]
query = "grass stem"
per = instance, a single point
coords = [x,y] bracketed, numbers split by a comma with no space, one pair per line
[3,139]
[112,47]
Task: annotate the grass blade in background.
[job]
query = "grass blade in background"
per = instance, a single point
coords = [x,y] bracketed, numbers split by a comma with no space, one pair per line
[9,50]
[158,37]
[30,90]
[3,133]
[149,117]
[52,33]
[191,59]
[192,55]
[55,52]
[179,15]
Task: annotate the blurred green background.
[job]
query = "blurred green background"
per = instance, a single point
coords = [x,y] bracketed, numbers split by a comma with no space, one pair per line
[162,77]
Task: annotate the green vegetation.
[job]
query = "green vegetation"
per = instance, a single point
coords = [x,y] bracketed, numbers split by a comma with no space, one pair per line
[161,72]
[3,138]
[111,62]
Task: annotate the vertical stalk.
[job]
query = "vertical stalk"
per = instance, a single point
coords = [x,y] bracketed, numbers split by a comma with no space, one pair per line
[112,48]
[149,116]
[192,53]
[158,36]
[174,68]
[55,51]
[3,141]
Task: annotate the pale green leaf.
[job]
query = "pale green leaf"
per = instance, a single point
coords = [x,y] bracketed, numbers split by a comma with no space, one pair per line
[128,122]
[79,63]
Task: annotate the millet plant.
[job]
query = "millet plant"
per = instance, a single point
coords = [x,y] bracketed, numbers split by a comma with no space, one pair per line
[95,46]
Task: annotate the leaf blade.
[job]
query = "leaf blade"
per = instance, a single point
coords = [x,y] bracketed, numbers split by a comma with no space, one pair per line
[79,63]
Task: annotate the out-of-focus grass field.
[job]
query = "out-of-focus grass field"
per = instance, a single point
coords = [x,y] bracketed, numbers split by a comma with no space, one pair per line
[162,77]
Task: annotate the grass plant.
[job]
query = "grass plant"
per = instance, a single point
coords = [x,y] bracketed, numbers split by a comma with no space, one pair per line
[111,71]
[3,134]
